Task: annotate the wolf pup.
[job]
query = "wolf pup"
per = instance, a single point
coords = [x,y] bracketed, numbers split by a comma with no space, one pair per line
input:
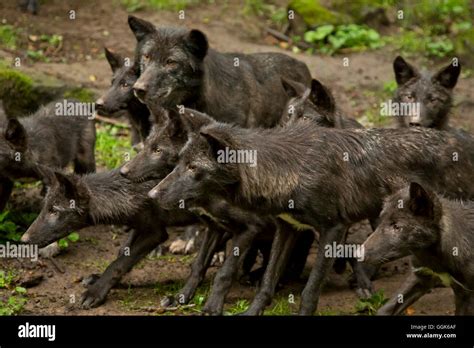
[49,138]
[119,97]
[430,94]
[438,232]
[177,67]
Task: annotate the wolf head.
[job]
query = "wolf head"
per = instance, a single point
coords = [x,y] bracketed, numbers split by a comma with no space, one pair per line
[316,104]
[409,222]
[160,153]
[65,210]
[15,157]
[198,172]
[170,62]
[120,94]
[431,92]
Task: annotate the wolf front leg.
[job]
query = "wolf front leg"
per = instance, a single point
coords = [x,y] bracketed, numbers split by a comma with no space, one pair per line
[282,246]
[312,290]
[212,239]
[413,289]
[241,243]
[143,243]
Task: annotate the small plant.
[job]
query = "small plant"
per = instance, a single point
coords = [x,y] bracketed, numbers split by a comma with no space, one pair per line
[239,307]
[281,307]
[13,223]
[64,242]
[331,39]
[13,303]
[372,304]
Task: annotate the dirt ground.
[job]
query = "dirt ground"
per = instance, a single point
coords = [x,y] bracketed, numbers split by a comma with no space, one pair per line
[80,62]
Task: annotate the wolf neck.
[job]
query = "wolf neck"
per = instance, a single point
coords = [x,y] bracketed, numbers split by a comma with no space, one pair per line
[114,199]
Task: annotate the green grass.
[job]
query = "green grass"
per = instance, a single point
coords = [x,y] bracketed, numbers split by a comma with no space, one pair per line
[13,224]
[371,305]
[82,94]
[8,36]
[167,5]
[14,302]
[112,148]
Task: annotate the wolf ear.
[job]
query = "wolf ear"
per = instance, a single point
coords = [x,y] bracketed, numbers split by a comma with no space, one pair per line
[293,88]
[16,135]
[67,185]
[421,201]
[140,27]
[322,97]
[115,60]
[403,71]
[175,127]
[448,76]
[215,140]
[194,120]
[197,44]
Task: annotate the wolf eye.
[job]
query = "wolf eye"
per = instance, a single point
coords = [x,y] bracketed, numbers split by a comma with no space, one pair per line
[170,61]
[191,167]
[395,226]
[124,85]
[157,150]
[146,56]
[409,97]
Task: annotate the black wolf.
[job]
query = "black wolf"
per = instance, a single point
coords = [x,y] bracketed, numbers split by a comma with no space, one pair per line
[74,202]
[314,104]
[120,98]
[432,92]
[349,171]
[177,67]
[47,138]
[438,232]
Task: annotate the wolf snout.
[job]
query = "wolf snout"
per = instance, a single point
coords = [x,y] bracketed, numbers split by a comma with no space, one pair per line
[124,170]
[140,90]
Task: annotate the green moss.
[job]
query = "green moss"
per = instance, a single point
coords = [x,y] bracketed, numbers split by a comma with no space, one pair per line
[16,92]
[8,36]
[82,94]
[314,14]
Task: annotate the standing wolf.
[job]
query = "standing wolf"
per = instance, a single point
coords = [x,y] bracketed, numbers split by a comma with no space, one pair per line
[177,67]
[48,138]
[120,98]
[349,171]
[438,232]
[431,92]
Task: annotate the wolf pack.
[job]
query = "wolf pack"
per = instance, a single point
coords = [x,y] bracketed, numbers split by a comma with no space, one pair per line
[253,155]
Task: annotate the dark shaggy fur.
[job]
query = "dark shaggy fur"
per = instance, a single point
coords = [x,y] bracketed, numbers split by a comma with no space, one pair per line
[120,98]
[432,91]
[438,232]
[178,68]
[47,139]
[75,202]
[348,171]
